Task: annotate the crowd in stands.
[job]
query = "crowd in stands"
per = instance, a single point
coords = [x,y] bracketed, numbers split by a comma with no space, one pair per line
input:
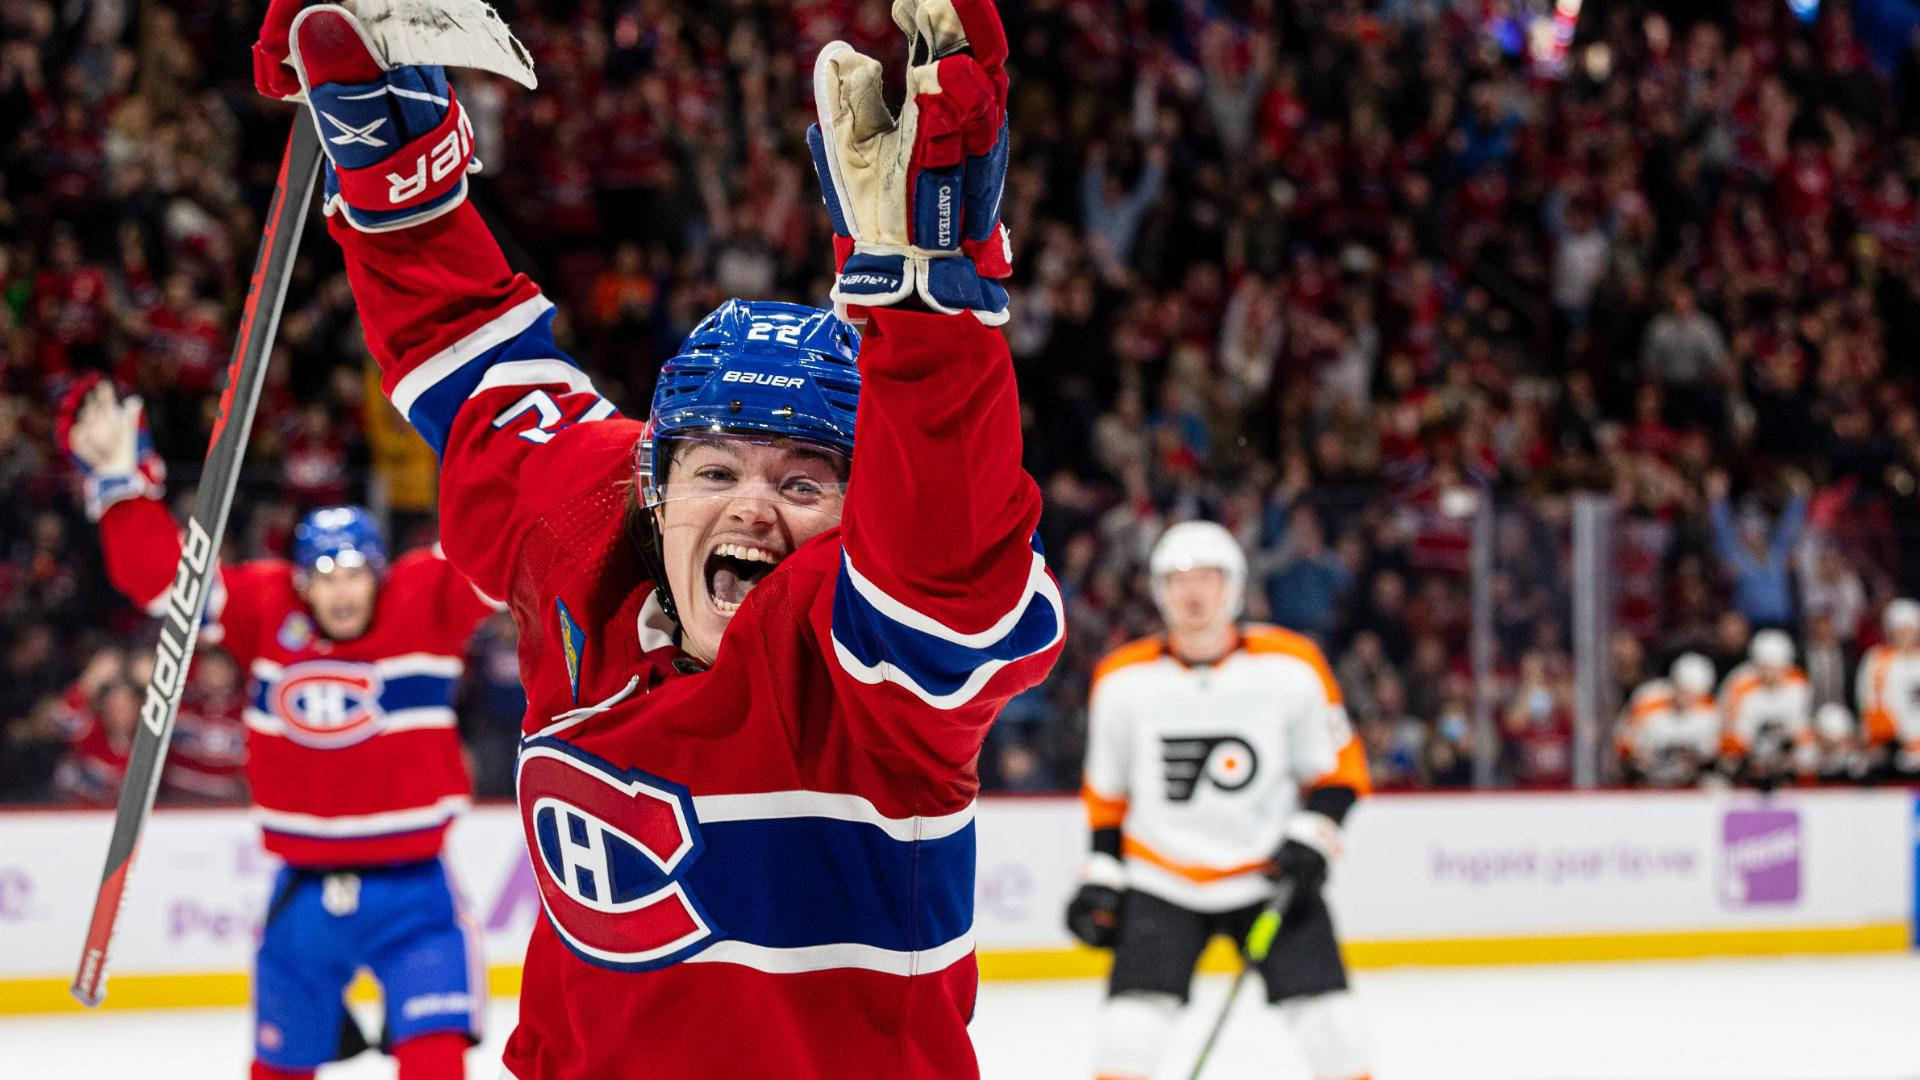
[1334,274]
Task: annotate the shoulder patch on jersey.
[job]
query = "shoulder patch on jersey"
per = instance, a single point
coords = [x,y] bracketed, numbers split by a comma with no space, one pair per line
[1133,652]
[1274,640]
[573,642]
[296,632]
[611,848]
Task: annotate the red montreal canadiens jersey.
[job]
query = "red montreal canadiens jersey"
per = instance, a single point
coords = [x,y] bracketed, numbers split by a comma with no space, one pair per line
[763,869]
[352,752]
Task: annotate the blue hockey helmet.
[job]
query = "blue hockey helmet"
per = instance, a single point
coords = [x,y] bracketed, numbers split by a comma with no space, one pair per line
[338,536]
[759,368]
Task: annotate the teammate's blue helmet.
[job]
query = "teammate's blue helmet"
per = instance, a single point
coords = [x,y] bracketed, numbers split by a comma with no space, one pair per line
[338,536]
[759,368]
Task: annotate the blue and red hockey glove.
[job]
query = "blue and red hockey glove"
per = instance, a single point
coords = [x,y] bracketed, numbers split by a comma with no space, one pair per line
[107,437]
[398,144]
[915,199]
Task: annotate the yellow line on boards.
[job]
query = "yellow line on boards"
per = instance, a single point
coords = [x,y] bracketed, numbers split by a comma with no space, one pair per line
[1082,962]
[229,989]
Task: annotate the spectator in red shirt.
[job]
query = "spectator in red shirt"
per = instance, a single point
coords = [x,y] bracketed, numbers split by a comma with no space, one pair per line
[206,761]
[96,762]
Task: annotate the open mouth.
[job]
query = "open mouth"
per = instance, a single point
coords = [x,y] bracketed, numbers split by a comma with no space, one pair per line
[732,570]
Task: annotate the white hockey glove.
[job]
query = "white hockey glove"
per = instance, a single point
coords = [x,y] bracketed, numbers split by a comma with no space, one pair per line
[107,436]
[915,199]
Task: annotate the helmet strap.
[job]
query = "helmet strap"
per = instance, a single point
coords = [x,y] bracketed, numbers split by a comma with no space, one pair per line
[646,540]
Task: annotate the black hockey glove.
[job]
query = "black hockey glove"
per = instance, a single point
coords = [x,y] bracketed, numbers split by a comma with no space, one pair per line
[1300,864]
[1311,841]
[1093,916]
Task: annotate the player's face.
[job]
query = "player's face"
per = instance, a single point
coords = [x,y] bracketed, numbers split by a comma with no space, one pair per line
[731,510]
[1194,600]
[342,600]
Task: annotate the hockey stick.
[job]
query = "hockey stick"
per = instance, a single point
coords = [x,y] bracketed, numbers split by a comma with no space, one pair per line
[1253,953]
[186,600]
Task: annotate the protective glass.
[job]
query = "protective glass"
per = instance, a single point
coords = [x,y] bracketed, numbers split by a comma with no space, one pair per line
[723,467]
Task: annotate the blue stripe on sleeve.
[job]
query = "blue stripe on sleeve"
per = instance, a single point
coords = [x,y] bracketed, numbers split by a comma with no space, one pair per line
[433,412]
[937,665]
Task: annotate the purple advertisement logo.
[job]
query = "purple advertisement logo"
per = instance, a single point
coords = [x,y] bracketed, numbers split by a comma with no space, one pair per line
[1760,857]
[16,889]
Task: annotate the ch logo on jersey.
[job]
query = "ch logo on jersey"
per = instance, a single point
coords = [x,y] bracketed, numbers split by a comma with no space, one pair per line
[1226,761]
[610,850]
[329,704]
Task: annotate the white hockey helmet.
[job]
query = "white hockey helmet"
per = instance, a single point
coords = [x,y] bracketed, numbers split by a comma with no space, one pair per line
[1693,674]
[1833,722]
[1901,614]
[1197,545]
[1771,649]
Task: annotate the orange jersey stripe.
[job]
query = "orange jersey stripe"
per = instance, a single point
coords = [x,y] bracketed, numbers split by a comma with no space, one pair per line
[1102,812]
[1273,639]
[1349,770]
[1133,652]
[1199,875]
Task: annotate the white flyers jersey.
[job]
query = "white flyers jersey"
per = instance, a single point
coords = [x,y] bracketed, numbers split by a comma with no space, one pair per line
[1200,765]
[1662,718]
[1889,695]
[1751,704]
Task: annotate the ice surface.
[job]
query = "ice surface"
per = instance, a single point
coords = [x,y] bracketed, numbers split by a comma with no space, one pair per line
[1851,1018]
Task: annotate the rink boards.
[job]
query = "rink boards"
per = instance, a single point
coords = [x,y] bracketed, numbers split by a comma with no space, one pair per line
[1428,879]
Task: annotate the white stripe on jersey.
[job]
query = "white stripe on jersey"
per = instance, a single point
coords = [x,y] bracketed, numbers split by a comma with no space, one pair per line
[498,331]
[536,373]
[1039,584]
[393,667]
[837,955]
[420,719]
[358,825]
[760,806]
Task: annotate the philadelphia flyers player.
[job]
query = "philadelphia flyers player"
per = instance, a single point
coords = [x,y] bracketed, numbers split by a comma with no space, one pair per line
[762,633]
[1219,759]
[352,755]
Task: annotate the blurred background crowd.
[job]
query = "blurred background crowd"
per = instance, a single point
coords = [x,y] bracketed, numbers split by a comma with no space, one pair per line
[1333,273]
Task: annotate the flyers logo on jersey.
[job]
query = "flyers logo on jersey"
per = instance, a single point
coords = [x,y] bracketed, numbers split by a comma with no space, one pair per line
[1226,761]
[610,850]
[329,704]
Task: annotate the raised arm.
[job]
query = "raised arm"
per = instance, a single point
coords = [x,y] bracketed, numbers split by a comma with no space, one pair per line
[465,345]
[943,608]
[124,482]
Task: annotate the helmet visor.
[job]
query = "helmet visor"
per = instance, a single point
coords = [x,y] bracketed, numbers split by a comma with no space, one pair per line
[723,467]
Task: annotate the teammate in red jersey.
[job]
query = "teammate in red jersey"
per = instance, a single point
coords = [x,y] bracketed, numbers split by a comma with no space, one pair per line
[352,755]
[762,642]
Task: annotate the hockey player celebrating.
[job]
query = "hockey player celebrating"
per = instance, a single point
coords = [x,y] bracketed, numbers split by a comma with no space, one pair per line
[1218,760]
[763,634]
[1888,692]
[352,755]
[1766,710]
[1671,730]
